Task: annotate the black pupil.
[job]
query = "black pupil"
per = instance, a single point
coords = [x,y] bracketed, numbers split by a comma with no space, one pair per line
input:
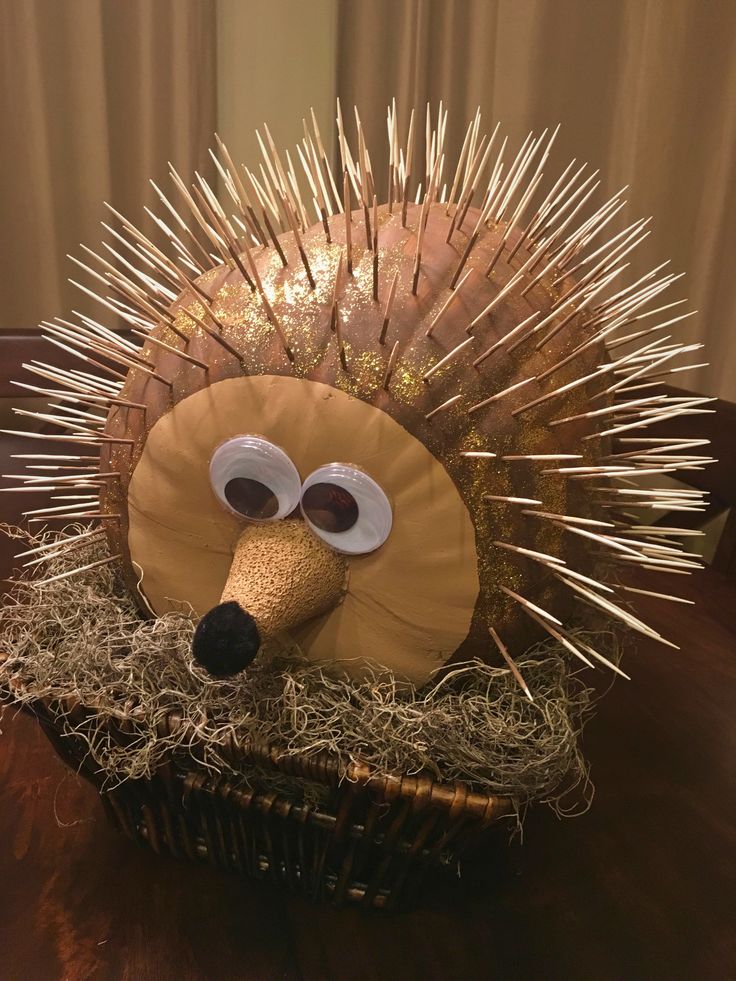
[329,507]
[251,498]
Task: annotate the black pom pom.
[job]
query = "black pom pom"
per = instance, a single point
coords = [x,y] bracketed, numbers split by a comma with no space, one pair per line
[226,639]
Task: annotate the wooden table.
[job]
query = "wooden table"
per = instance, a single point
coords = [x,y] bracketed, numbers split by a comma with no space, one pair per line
[640,887]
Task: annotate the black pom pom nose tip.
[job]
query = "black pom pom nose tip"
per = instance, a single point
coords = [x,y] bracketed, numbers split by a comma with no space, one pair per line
[226,640]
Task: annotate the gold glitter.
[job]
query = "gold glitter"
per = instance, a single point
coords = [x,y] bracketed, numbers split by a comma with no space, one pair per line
[304,315]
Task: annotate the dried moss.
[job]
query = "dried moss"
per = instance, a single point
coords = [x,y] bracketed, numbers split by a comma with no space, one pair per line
[82,638]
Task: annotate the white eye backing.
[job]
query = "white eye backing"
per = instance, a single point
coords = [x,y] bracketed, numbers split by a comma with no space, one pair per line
[255,479]
[346,508]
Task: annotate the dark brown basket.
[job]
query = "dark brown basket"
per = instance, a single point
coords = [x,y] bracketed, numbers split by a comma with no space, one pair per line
[371,843]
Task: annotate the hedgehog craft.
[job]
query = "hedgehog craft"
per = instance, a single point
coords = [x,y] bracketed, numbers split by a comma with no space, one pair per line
[404,434]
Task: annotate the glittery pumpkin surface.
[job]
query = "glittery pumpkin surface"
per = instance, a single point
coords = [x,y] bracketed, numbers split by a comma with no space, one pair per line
[352,360]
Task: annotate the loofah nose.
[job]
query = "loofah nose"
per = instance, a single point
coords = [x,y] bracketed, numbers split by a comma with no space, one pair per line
[226,639]
[284,575]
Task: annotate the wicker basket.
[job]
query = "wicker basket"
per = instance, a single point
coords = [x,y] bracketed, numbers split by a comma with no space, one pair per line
[371,843]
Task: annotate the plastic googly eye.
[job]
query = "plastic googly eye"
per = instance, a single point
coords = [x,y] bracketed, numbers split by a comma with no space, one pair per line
[255,479]
[346,508]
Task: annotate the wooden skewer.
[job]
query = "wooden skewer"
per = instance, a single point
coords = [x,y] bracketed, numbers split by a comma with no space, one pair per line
[274,238]
[574,574]
[310,164]
[661,530]
[482,217]
[55,457]
[84,357]
[572,518]
[82,568]
[270,315]
[87,498]
[517,173]
[76,478]
[460,162]
[467,192]
[511,663]
[542,210]
[346,159]
[84,440]
[529,606]
[61,509]
[172,350]
[214,334]
[563,202]
[334,314]
[389,308]
[559,636]
[584,234]
[365,192]
[512,283]
[375,249]
[664,596]
[87,339]
[604,540]
[583,380]
[441,408]
[530,553]
[70,382]
[299,244]
[521,207]
[450,356]
[422,227]
[542,456]
[653,560]
[323,157]
[553,236]
[196,264]
[241,196]
[264,194]
[57,543]
[390,366]
[80,516]
[335,320]
[506,338]
[39,488]
[616,611]
[510,500]
[499,395]
[407,169]
[604,660]
[454,293]
[607,410]
[348,223]
[78,397]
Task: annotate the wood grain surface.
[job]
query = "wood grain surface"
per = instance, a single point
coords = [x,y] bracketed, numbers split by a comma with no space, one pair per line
[641,887]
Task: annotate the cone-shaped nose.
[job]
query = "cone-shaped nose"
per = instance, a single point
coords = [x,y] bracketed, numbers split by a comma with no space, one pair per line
[281,575]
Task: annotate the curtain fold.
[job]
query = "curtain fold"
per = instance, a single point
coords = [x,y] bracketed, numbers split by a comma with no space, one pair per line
[645,90]
[97,95]
[95,98]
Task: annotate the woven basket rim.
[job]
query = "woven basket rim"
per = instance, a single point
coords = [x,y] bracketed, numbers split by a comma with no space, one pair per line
[323,768]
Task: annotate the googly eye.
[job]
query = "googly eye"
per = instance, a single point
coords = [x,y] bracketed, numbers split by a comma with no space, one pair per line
[346,508]
[254,479]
